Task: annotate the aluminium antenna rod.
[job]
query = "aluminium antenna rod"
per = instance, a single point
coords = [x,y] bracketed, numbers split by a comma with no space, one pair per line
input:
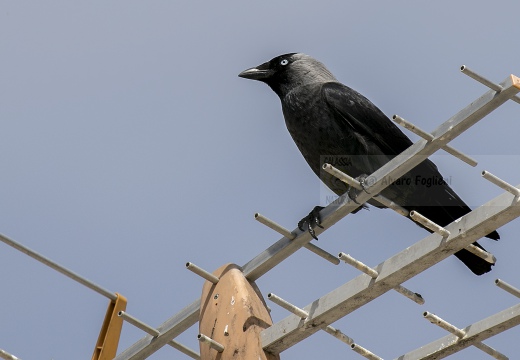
[44,260]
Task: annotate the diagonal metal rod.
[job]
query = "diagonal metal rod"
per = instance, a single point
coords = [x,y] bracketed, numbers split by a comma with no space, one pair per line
[415,297]
[53,265]
[490,258]
[349,180]
[477,332]
[152,331]
[303,315]
[285,232]
[364,352]
[434,319]
[500,183]
[396,270]
[484,81]
[339,335]
[427,136]
[201,272]
[427,223]
[5,355]
[509,288]
[211,343]
[285,247]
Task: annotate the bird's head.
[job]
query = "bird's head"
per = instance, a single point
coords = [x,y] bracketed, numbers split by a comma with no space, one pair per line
[286,72]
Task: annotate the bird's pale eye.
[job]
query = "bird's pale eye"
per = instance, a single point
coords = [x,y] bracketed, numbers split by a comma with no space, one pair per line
[284,62]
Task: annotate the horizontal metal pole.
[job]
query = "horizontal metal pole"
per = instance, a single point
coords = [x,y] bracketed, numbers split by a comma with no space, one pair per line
[364,352]
[285,232]
[490,351]
[509,288]
[413,128]
[434,319]
[322,253]
[288,306]
[138,323]
[275,226]
[500,183]
[490,258]
[201,272]
[392,272]
[357,185]
[212,343]
[415,297]
[285,247]
[484,81]
[373,274]
[339,335]
[477,332]
[303,315]
[53,265]
[427,223]
[184,349]
[427,136]
[168,330]
[150,330]
[358,265]
[5,355]
[490,84]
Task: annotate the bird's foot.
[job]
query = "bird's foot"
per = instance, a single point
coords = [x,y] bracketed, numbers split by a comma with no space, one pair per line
[311,221]
[353,193]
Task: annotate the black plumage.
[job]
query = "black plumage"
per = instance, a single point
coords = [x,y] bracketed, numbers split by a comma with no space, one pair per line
[330,122]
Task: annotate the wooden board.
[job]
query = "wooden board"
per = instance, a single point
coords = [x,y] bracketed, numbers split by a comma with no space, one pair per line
[233,313]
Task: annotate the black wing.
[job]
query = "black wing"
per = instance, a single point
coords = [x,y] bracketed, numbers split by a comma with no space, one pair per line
[365,118]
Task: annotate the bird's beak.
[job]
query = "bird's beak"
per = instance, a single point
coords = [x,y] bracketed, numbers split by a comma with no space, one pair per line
[261,72]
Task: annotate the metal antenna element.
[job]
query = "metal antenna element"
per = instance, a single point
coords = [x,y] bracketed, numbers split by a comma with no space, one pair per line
[364,352]
[5,355]
[490,84]
[427,223]
[501,183]
[154,332]
[289,235]
[415,297]
[304,315]
[69,273]
[288,306]
[338,335]
[427,136]
[509,288]
[201,272]
[357,185]
[490,258]
[138,323]
[212,343]
[434,319]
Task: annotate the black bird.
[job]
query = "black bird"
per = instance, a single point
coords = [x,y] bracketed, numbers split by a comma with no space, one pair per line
[330,122]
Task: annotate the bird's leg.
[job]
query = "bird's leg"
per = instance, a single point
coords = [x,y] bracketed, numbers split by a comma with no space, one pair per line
[353,193]
[311,221]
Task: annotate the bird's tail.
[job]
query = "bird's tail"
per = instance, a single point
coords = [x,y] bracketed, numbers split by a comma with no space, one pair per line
[476,264]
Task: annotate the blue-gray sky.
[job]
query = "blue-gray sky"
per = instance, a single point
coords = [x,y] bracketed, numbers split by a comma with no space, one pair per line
[130,146]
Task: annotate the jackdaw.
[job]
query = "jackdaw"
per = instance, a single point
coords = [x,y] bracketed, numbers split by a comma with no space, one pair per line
[330,122]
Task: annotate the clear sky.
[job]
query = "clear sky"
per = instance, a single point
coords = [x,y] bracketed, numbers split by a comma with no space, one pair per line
[130,146]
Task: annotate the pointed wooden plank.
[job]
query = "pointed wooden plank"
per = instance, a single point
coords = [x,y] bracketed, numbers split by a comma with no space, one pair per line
[233,313]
